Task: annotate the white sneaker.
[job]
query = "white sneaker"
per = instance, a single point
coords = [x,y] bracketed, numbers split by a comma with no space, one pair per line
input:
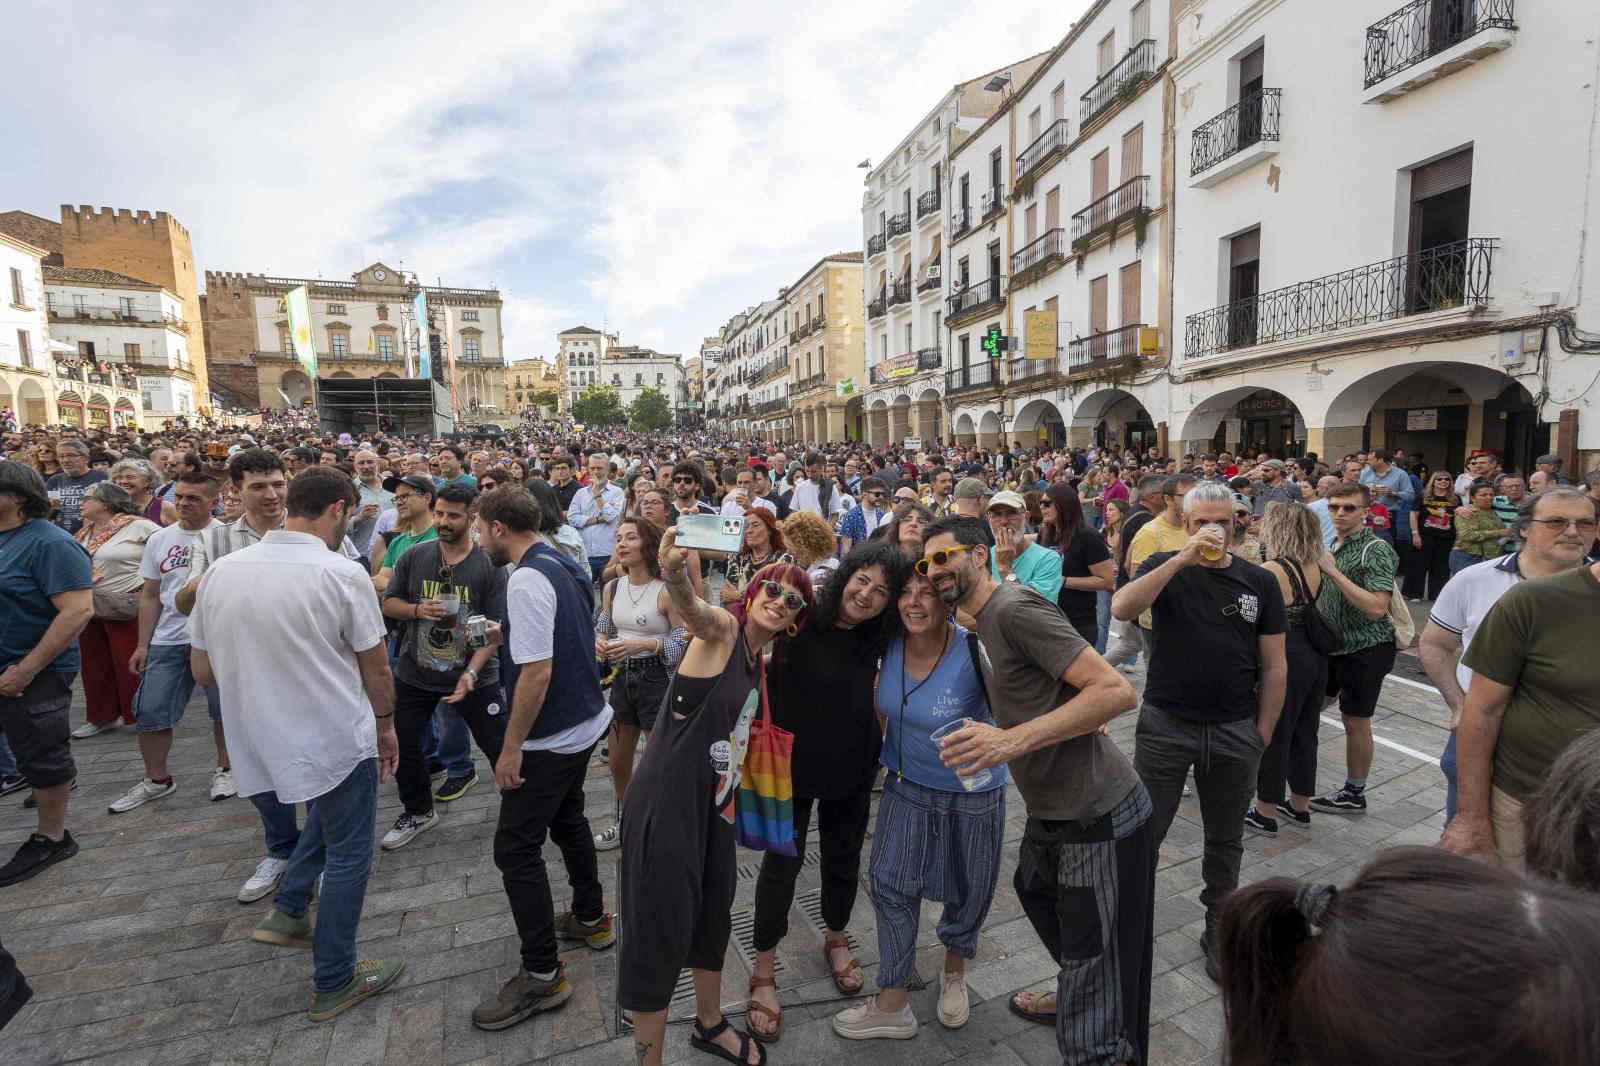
[222,784]
[1129,667]
[953,1009]
[611,838]
[89,729]
[407,827]
[142,793]
[865,1021]
[261,883]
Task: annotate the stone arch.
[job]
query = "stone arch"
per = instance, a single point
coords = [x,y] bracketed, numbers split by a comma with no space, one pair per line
[33,404]
[341,374]
[1039,421]
[296,387]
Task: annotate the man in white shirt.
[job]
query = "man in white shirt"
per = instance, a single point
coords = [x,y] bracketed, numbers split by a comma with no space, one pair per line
[161,660]
[743,497]
[594,512]
[320,732]
[814,494]
[375,499]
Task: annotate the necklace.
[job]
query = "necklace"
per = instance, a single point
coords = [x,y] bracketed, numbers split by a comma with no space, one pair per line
[628,588]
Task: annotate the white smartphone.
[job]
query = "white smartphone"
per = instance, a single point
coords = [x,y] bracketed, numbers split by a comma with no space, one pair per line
[711,532]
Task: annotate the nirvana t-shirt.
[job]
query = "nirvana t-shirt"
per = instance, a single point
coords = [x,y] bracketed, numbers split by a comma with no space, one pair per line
[1085,549]
[1029,645]
[433,654]
[70,491]
[1219,614]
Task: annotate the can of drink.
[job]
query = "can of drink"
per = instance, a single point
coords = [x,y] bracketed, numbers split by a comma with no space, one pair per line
[477,631]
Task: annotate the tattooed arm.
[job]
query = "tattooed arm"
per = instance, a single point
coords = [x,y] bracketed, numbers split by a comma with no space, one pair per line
[705,623]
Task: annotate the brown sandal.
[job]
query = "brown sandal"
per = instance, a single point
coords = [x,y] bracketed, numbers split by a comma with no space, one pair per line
[762,1008]
[834,940]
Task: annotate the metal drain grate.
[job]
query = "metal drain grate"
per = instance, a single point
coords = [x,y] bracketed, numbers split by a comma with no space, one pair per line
[744,937]
[749,871]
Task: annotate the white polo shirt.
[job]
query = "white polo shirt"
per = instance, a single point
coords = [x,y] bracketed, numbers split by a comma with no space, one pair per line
[1466,600]
[282,621]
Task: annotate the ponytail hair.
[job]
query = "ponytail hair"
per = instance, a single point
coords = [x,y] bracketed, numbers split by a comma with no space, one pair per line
[1265,939]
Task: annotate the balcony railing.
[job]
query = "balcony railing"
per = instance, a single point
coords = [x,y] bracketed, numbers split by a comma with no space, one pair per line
[1031,371]
[1050,247]
[1424,28]
[977,296]
[971,378]
[815,381]
[899,225]
[877,307]
[877,243]
[1250,121]
[820,322]
[1109,347]
[801,331]
[931,279]
[960,221]
[1120,83]
[1114,207]
[1047,144]
[1436,279]
[927,204]
[900,292]
[130,317]
[994,202]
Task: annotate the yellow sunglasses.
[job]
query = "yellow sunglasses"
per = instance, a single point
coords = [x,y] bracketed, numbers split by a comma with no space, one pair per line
[940,557]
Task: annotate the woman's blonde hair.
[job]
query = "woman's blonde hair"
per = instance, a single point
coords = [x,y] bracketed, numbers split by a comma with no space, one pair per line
[810,539]
[1290,531]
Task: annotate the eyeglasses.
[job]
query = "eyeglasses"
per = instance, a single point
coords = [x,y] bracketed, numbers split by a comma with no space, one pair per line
[686,480]
[791,599]
[405,496]
[1344,508]
[940,558]
[1585,526]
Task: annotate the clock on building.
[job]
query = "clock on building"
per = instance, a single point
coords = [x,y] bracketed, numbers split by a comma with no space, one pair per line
[380,275]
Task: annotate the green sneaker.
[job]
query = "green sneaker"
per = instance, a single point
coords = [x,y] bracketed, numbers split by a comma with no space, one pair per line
[280,929]
[598,935]
[371,977]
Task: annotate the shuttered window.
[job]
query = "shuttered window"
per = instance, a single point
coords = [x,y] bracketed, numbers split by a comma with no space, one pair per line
[1245,248]
[1133,153]
[1139,22]
[1130,307]
[1098,290]
[1052,209]
[1252,65]
[1100,174]
[1030,223]
[1442,175]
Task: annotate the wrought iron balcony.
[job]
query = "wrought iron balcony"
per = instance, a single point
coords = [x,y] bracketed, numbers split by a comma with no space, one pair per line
[1424,28]
[994,202]
[815,381]
[1119,84]
[931,279]
[877,307]
[877,243]
[1112,346]
[927,204]
[801,331]
[900,292]
[899,225]
[1113,208]
[1052,247]
[1047,144]
[1249,122]
[929,358]
[975,377]
[960,221]
[1435,279]
[1030,373]
[820,322]
[976,297]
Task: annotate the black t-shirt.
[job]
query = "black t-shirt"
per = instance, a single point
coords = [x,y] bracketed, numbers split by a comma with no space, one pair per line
[1206,660]
[433,654]
[820,685]
[1086,548]
[781,502]
[566,492]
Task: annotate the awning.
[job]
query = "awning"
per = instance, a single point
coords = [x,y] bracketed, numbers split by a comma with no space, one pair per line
[63,347]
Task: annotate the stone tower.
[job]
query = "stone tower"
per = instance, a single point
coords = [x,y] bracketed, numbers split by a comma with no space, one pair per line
[152,248]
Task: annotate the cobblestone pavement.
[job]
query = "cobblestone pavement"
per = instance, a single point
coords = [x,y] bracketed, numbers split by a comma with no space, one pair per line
[138,950]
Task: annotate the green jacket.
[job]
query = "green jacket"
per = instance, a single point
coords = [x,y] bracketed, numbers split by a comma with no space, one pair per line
[1480,534]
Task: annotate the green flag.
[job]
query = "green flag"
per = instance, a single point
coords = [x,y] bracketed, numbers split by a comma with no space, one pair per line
[847,387]
[299,309]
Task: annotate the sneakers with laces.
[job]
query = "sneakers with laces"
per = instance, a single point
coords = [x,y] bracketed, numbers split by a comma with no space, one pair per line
[282,930]
[598,935]
[522,997]
[36,853]
[1208,947]
[142,793]
[222,784]
[1342,800]
[1292,816]
[455,787]
[1255,823]
[953,1008]
[12,783]
[610,838]
[89,729]
[407,827]
[269,872]
[371,977]
[865,1021]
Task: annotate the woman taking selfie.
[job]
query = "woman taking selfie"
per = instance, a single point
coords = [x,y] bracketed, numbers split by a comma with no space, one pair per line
[677,872]
[820,685]
[938,835]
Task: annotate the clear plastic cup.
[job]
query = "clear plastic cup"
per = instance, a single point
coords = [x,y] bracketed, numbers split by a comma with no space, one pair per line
[1213,554]
[976,781]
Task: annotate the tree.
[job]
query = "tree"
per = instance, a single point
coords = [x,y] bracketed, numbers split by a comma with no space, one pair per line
[650,411]
[545,398]
[599,406]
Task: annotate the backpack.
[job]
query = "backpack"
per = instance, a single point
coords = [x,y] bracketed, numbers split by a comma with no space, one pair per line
[1405,630]
[1320,632]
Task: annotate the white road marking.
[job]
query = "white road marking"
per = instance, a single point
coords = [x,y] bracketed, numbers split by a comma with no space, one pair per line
[1397,679]
[1386,742]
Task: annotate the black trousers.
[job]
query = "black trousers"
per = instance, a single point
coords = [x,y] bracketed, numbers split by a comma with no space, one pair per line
[1429,568]
[549,804]
[842,824]
[1292,755]
[413,708]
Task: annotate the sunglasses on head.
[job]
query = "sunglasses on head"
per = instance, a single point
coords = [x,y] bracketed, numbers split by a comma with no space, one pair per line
[791,599]
[940,557]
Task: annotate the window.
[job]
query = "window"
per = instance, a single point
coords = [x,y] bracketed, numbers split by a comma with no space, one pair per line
[336,309]
[1035,124]
[1441,199]
[638,379]
[661,379]
[386,347]
[962,346]
[1133,153]
[1244,285]
[340,340]
[1139,22]
[616,380]
[80,302]
[473,349]
[1107,53]
[469,316]
[86,349]
[125,306]
[995,171]
[285,344]
[16,288]
[130,354]
[1058,102]
[1100,174]
[25,347]
[1129,281]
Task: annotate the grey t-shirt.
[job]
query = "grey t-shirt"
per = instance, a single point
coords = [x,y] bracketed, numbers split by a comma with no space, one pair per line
[433,654]
[1030,644]
[71,490]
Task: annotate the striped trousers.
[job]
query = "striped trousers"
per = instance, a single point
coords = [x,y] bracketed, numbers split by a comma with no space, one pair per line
[932,845]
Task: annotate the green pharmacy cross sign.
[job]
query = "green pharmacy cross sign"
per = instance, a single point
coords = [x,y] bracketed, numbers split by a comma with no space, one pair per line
[993,342]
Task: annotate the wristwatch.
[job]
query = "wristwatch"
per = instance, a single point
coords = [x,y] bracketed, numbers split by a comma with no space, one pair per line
[1013,579]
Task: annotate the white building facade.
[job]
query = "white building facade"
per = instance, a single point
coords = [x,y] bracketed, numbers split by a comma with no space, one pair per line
[27,386]
[131,330]
[578,355]
[631,370]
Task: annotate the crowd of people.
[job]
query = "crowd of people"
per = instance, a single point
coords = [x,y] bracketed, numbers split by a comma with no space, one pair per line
[935,625]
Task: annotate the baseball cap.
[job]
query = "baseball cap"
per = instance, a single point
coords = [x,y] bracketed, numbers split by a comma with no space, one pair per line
[1008,498]
[416,481]
[1276,464]
[970,488]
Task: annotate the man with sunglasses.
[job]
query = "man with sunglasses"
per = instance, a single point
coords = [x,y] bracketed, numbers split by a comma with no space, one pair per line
[1086,873]
[859,523]
[413,507]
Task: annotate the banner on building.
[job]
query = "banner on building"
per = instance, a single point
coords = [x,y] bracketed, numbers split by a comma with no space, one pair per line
[298,308]
[847,387]
[420,308]
[1040,336]
[901,366]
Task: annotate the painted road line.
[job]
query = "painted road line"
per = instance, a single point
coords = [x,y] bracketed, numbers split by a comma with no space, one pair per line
[1406,681]
[1386,742]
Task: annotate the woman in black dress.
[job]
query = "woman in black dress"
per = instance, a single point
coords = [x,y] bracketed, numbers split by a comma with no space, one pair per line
[677,868]
[821,687]
[1086,566]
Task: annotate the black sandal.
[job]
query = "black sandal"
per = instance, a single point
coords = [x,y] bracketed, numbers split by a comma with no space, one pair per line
[701,1040]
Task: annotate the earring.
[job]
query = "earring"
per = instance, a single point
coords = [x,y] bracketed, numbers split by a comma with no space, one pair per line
[793,629]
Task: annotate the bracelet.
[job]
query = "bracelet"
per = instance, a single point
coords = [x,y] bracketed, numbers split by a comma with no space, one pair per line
[416,611]
[382,716]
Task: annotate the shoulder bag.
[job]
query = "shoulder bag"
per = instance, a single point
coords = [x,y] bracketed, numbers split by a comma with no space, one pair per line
[1405,630]
[1321,634]
[764,802]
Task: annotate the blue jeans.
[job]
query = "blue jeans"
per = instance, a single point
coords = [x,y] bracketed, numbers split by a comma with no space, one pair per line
[278,823]
[337,843]
[449,740]
[1447,763]
[8,761]
[1102,619]
[1460,560]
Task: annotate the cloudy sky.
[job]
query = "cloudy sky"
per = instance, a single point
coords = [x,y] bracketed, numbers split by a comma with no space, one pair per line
[657,166]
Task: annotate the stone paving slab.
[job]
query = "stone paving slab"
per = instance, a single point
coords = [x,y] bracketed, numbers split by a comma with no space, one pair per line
[139,953]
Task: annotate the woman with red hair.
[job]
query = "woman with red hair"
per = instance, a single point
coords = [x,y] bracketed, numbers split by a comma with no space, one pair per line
[763,546]
[677,872]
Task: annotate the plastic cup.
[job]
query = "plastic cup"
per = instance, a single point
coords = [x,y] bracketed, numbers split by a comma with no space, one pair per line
[975,781]
[451,605]
[1213,554]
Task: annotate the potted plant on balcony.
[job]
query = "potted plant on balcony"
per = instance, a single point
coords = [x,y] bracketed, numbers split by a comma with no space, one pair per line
[1141,228]
[1024,186]
[1128,88]
[1080,249]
